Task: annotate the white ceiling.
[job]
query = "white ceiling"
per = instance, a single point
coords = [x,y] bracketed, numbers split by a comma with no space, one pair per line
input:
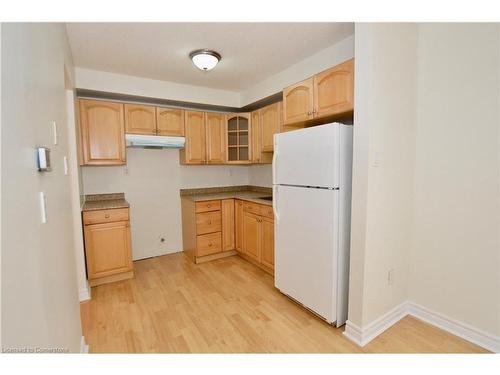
[250,52]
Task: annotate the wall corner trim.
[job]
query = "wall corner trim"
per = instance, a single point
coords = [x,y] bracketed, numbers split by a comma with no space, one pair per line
[84,348]
[362,336]
[84,293]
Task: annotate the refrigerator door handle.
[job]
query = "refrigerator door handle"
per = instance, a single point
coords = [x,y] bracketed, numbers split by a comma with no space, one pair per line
[275,202]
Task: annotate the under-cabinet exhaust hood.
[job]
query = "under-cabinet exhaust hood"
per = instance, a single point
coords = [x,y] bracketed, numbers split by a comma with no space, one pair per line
[154,141]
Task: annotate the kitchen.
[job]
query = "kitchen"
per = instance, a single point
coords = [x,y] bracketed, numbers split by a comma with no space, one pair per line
[199,198]
[216,221]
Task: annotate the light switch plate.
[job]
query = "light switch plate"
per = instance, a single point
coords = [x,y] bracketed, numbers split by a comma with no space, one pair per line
[65,161]
[54,132]
[43,207]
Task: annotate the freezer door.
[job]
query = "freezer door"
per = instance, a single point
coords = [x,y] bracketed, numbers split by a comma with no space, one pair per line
[308,157]
[306,240]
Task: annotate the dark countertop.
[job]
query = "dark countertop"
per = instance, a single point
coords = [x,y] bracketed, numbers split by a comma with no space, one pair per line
[248,193]
[95,202]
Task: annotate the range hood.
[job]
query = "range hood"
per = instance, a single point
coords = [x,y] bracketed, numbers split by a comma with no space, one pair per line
[154,141]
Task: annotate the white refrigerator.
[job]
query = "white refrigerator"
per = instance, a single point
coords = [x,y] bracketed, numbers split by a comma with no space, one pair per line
[312,203]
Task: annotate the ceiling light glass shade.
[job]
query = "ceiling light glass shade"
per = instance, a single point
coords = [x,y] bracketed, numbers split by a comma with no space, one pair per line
[205,59]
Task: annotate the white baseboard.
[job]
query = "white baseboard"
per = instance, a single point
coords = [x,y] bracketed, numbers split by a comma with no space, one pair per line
[460,329]
[363,336]
[84,348]
[84,293]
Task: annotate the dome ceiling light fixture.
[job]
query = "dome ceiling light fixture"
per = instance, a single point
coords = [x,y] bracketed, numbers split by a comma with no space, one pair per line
[205,59]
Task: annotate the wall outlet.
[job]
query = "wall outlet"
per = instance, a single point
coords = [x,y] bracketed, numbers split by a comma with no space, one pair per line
[390,277]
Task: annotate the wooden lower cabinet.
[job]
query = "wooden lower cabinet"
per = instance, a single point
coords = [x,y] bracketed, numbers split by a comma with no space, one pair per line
[208,229]
[228,228]
[107,248]
[267,250]
[258,236]
[219,228]
[238,223]
[251,235]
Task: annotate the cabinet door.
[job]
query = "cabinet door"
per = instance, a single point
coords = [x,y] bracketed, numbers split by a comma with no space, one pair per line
[140,119]
[256,136]
[195,130]
[228,223]
[298,102]
[267,257]
[216,138]
[170,121]
[334,90]
[251,235]
[107,249]
[238,222]
[102,129]
[238,128]
[270,118]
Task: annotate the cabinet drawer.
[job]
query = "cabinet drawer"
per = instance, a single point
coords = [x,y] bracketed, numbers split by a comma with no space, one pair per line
[208,206]
[208,222]
[267,211]
[105,216]
[207,244]
[253,208]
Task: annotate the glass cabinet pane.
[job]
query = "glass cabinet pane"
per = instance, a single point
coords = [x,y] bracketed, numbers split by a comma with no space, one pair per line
[232,124]
[242,123]
[232,139]
[243,138]
[243,154]
[232,154]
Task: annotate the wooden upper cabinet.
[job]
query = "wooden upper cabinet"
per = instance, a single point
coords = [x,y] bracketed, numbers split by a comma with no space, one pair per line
[216,138]
[102,128]
[194,151]
[170,121]
[238,129]
[256,136]
[228,228]
[334,90]
[140,119]
[298,102]
[270,123]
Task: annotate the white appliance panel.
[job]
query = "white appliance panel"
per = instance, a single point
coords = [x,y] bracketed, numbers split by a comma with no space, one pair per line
[307,157]
[306,238]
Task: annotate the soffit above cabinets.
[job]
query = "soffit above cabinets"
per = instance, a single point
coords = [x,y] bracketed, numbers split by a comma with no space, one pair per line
[251,52]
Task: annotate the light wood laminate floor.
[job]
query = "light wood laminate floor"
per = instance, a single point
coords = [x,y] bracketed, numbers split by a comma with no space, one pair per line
[227,306]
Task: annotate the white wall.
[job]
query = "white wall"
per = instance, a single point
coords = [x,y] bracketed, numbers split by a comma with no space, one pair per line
[324,59]
[384,144]
[260,175]
[426,172]
[152,189]
[40,305]
[125,84]
[455,254]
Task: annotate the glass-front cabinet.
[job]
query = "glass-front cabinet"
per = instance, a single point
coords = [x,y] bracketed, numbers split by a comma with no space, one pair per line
[238,138]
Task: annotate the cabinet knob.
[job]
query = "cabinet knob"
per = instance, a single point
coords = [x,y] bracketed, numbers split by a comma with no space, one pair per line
[210,244]
[106,216]
[309,113]
[209,205]
[209,222]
